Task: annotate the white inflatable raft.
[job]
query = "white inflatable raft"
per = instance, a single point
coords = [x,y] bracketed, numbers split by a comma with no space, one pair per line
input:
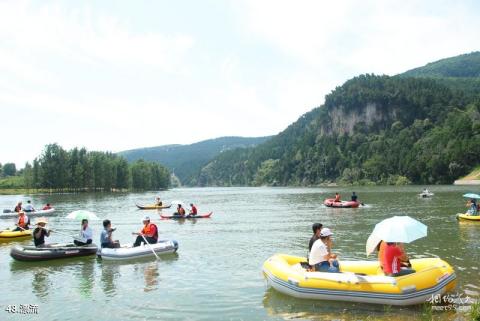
[129,252]
[8,213]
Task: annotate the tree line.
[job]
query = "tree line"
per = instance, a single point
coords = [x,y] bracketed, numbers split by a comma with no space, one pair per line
[418,130]
[81,170]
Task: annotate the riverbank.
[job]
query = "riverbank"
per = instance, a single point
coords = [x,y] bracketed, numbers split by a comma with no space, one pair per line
[471,179]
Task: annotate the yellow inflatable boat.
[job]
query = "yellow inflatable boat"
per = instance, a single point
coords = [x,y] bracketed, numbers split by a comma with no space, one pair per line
[360,281]
[9,235]
[468,217]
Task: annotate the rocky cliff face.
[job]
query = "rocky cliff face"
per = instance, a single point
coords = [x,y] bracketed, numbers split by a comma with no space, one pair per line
[343,121]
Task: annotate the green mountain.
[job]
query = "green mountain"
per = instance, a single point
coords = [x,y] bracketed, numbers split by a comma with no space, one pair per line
[382,129]
[186,161]
[467,65]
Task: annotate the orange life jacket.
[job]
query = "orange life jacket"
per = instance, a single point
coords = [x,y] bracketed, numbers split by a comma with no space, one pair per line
[149,228]
[22,221]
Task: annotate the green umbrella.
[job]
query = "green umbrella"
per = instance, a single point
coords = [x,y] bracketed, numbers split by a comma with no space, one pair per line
[82,215]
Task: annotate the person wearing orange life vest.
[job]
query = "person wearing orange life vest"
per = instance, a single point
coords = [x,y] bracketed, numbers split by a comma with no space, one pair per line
[149,232]
[23,222]
[193,210]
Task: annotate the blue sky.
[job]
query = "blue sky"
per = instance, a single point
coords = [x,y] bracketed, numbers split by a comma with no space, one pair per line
[116,75]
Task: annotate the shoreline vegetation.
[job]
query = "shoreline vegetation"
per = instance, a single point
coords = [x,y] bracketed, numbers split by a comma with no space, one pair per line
[79,170]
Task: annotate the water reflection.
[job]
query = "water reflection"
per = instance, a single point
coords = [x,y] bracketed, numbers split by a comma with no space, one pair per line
[282,306]
[41,283]
[86,278]
[110,272]
[151,276]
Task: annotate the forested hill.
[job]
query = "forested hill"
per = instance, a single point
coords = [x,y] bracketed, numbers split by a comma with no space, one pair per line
[187,160]
[382,129]
[467,65]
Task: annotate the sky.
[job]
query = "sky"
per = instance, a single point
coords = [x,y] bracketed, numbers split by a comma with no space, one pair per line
[117,75]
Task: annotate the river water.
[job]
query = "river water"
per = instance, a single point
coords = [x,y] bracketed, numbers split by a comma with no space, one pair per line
[216,274]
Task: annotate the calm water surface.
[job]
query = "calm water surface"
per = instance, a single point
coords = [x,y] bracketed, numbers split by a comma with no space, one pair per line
[216,274]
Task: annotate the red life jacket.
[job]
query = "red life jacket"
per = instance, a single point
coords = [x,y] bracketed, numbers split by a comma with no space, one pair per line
[23,221]
[149,228]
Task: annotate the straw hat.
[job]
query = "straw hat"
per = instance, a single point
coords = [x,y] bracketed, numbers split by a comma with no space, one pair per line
[42,220]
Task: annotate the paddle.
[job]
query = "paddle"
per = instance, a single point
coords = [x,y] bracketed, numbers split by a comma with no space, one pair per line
[64,234]
[151,248]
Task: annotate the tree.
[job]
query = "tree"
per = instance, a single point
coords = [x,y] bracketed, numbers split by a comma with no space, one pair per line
[9,169]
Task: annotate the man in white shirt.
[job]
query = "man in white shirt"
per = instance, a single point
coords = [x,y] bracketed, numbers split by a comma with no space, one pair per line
[29,207]
[319,256]
[86,234]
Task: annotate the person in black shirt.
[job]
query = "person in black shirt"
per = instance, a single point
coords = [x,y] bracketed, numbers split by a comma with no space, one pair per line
[354,197]
[40,232]
[316,227]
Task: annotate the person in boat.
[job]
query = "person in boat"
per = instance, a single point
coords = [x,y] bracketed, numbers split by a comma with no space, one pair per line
[149,232]
[106,236]
[337,198]
[393,256]
[193,210]
[320,257]
[158,201]
[316,228]
[18,207]
[86,234]
[40,232]
[381,253]
[23,222]
[472,207]
[29,207]
[180,210]
[354,197]
[47,207]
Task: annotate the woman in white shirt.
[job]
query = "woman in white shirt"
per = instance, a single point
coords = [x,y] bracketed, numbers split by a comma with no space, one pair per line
[320,257]
[86,234]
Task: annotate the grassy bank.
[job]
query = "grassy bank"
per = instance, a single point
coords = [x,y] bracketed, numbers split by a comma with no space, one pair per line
[475,174]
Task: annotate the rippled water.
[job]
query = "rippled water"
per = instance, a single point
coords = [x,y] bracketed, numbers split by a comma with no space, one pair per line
[216,274]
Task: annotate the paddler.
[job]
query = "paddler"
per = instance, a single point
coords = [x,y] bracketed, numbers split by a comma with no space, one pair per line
[180,210]
[47,207]
[158,201]
[23,222]
[354,197]
[337,198]
[149,232]
[40,232]
[18,207]
[29,207]
[193,210]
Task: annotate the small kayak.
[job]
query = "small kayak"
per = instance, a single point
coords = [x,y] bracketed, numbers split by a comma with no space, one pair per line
[130,252]
[54,251]
[9,235]
[330,202]
[426,195]
[8,213]
[152,207]
[186,217]
[468,217]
